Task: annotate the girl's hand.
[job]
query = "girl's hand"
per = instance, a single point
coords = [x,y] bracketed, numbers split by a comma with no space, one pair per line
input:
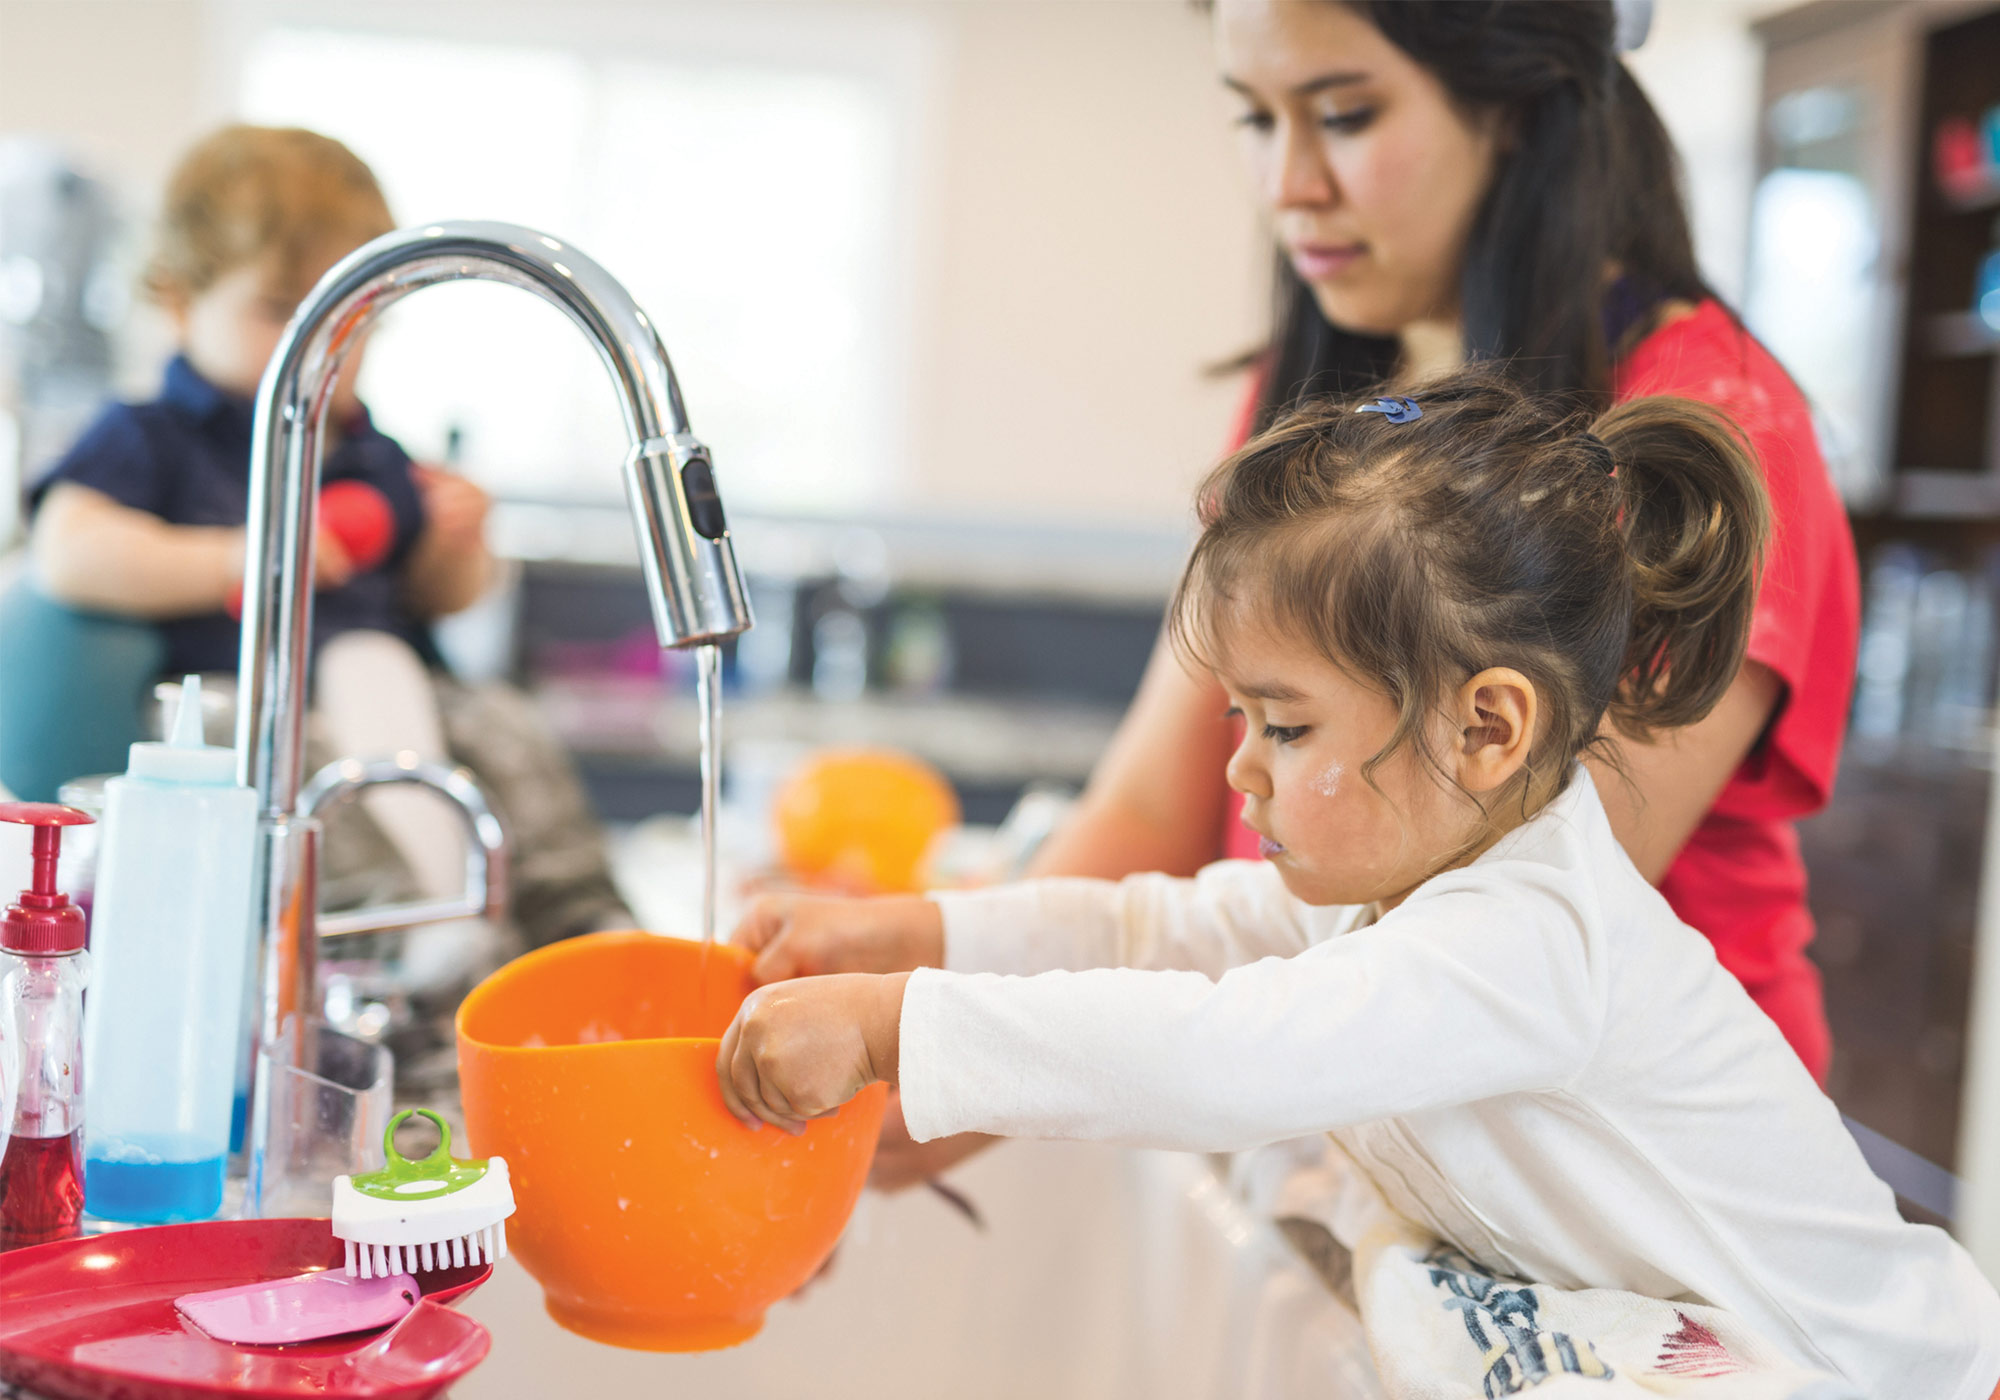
[798,1051]
[813,935]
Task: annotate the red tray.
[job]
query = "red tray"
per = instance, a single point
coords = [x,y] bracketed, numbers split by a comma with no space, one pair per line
[94,1319]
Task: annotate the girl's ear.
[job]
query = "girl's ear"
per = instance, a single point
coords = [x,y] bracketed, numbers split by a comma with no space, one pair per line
[1498,710]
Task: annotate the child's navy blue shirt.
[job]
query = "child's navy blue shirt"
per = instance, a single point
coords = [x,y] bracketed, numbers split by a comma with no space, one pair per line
[185,457]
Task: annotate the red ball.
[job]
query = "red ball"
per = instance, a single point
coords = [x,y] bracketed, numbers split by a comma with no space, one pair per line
[360,517]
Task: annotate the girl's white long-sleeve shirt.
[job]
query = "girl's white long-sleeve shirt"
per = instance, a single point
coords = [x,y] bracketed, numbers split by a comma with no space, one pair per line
[1531,1056]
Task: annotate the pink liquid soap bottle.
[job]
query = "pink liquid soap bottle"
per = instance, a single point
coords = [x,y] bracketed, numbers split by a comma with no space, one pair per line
[43,968]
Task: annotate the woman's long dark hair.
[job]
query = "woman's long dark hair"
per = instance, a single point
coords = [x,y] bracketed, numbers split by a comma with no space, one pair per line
[1589,181]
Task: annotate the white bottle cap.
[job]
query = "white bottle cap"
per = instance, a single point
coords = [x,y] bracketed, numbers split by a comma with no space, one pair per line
[184,758]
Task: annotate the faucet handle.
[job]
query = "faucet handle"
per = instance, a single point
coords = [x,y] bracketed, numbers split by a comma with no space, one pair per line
[485,894]
[685,552]
[704,502]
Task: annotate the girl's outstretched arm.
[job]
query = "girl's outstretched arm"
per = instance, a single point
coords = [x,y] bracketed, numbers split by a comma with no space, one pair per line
[1233,912]
[1456,999]
[1228,915]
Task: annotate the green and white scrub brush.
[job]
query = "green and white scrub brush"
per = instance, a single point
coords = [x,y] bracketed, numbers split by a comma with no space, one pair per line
[442,1212]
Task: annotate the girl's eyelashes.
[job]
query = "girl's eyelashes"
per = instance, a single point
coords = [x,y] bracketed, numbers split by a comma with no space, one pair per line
[1254,120]
[1276,733]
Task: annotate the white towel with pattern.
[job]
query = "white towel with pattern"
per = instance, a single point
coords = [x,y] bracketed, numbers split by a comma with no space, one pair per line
[1441,1327]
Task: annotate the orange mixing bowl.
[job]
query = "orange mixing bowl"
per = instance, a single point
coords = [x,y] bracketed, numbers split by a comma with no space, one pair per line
[651,1218]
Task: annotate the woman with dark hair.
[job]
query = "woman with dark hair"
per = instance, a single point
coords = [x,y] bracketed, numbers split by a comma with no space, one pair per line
[1457,180]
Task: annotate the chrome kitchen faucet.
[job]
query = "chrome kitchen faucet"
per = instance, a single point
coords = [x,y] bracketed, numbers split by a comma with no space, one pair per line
[697,595]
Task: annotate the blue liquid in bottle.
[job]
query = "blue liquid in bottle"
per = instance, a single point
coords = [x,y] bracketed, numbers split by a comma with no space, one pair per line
[163,1048]
[153,1184]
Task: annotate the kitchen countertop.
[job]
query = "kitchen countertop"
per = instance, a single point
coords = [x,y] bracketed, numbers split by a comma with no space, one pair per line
[1108,563]
[973,739]
[1104,1274]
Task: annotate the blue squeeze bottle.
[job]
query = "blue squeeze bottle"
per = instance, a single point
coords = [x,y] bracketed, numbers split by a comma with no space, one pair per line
[170,934]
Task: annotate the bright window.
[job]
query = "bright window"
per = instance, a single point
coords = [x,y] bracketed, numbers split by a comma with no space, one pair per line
[749,210]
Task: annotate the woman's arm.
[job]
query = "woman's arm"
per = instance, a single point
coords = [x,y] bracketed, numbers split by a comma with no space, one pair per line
[1157,799]
[91,552]
[1667,786]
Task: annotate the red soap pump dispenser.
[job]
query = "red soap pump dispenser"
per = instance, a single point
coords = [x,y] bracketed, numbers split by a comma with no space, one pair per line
[43,969]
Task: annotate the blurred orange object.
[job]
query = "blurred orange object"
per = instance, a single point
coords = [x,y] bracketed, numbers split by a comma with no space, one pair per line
[651,1218]
[862,819]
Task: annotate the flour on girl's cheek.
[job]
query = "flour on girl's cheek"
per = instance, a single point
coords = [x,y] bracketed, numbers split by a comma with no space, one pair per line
[1328,783]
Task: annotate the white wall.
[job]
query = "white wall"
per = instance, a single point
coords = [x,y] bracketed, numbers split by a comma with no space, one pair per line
[1083,245]
[119,83]
[1098,249]
[1702,67]
[120,86]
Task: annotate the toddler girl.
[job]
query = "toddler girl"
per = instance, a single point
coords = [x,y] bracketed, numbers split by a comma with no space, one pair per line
[1425,612]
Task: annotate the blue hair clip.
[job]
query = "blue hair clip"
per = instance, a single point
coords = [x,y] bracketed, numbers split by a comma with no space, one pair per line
[1396,410]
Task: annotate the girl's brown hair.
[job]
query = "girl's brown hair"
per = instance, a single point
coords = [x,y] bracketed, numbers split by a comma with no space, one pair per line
[1612,561]
[248,194]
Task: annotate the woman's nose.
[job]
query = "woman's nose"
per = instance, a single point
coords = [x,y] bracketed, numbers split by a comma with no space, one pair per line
[1300,178]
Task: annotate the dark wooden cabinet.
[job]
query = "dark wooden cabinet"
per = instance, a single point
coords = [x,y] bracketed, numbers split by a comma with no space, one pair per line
[1862,278]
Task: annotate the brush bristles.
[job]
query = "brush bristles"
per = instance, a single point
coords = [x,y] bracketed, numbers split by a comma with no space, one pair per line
[487,1246]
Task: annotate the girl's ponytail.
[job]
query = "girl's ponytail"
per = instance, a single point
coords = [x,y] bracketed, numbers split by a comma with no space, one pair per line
[1695,519]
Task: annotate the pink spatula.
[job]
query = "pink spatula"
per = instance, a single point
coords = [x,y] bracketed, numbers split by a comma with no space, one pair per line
[302,1309]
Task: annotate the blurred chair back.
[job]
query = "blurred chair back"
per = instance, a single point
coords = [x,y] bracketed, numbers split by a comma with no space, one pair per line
[73,686]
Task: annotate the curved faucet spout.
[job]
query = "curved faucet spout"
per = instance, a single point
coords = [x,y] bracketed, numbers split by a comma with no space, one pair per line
[684,547]
[697,594]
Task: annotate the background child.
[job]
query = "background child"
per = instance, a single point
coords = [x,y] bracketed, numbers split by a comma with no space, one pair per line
[145,517]
[1425,612]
